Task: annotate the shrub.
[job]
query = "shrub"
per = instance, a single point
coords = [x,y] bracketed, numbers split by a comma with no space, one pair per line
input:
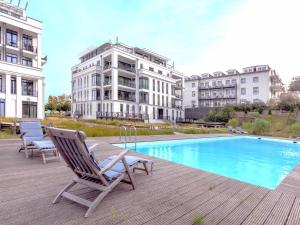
[198,220]
[295,127]
[233,122]
[222,115]
[247,126]
[270,112]
[260,126]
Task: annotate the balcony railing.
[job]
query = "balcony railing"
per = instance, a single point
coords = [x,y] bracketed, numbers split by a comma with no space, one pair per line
[30,48]
[127,68]
[217,97]
[33,94]
[107,82]
[107,97]
[126,83]
[106,67]
[12,44]
[124,98]
[217,86]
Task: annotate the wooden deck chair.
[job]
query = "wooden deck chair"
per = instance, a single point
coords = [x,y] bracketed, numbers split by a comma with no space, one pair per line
[33,138]
[72,148]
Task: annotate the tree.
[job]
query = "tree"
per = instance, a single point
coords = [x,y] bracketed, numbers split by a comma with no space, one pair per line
[59,103]
[287,102]
[295,84]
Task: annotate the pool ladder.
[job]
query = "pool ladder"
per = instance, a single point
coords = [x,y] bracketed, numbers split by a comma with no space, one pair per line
[124,137]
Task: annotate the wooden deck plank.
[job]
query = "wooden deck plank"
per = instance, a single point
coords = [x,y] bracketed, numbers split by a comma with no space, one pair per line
[294,217]
[280,212]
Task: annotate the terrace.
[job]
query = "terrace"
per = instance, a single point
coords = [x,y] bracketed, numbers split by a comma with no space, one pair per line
[172,194]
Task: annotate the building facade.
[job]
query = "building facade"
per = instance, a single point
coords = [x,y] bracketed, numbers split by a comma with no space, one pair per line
[254,84]
[21,79]
[117,80]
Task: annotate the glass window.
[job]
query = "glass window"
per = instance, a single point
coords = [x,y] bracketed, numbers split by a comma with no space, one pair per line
[151,69]
[1,84]
[96,79]
[11,38]
[255,79]
[141,66]
[29,109]
[27,87]
[153,84]
[13,86]
[243,80]
[243,91]
[193,93]
[193,84]
[233,81]
[27,61]
[11,58]
[255,90]
[153,99]
[2,107]
[167,88]
[144,83]
[159,72]
[162,87]
[227,82]
[27,43]
[96,94]
[158,86]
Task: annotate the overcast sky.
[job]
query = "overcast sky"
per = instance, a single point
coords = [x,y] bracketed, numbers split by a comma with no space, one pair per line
[200,36]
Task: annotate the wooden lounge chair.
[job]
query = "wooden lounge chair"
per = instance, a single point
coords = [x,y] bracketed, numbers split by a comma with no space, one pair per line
[81,161]
[240,130]
[34,139]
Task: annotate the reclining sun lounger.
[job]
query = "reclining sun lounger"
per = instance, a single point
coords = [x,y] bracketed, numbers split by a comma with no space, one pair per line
[34,139]
[102,176]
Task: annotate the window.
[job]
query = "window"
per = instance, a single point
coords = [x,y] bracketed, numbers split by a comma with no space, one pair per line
[29,109]
[153,84]
[255,90]
[167,88]
[27,43]
[214,83]
[206,84]
[227,82]
[193,103]
[144,83]
[219,83]
[27,87]
[193,84]
[159,72]
[243,80]
[243,91]
[151,69]
[13,86]
[96,79]
[153,97]
[96,94]
[27,61]
[193,93]
[158,86]
[11,38]
[255,79]
[163,101]
[233,81]
[141,66]
[2,107]
[11,58]
[162,87]
[153,113]
[158,99]
[1,84]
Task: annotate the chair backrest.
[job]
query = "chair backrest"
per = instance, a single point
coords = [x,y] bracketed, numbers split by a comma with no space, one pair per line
[71,146]
[31,129]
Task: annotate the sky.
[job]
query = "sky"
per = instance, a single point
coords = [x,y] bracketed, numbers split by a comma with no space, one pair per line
[198,35]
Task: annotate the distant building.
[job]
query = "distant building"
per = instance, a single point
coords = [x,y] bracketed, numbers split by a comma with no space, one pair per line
[21,78]
[117,80]
[253,84]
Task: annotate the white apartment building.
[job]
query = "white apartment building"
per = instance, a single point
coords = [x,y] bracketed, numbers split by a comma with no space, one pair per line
[253,84]
[21,79]
[116,80]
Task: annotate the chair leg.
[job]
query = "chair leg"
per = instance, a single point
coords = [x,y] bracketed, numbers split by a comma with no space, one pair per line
[26,151]
[146,168]
[66,188]
[44,157]
[96,203]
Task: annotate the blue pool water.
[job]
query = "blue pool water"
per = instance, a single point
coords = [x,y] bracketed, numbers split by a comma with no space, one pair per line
[264,162]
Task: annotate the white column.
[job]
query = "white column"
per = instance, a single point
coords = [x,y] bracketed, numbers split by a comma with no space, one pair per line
[40,104]
[114,75]
[39,51]
[8,101]
[19,97]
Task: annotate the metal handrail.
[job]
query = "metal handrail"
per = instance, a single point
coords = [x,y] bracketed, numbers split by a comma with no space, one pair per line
[125,135]
[128,135]
[134,129]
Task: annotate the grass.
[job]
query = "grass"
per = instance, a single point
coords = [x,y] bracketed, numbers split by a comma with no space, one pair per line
[7,134]
[202,131]
[198,220]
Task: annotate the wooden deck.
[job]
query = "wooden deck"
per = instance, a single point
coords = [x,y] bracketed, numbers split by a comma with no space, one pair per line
[173,194]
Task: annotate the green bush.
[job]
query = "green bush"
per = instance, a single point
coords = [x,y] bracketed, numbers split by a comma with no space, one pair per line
[233,122]
[223,115]
[295,127]
[261,126]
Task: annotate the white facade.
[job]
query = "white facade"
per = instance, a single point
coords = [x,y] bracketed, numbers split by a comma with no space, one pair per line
[21,80]
[254,84]
[116,80]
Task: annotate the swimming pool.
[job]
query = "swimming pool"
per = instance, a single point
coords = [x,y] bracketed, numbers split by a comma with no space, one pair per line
[264,162]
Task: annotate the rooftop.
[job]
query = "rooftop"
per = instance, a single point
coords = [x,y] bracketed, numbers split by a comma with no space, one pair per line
[173,194]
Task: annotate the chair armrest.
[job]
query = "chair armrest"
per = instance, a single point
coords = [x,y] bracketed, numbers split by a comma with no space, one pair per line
[91,150]
[113,162]
[22,134]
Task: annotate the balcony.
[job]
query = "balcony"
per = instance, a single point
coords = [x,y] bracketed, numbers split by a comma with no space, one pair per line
[127,67]
[107,97]
[217,86]
[12,44]
[125,98]
[107,66]
[30,93]
[29,48]
[127,83]
[217,97]
[106,82]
